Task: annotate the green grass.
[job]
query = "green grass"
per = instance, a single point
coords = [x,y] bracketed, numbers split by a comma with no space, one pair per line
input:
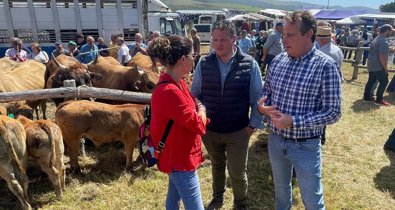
[357,172]
[175,5]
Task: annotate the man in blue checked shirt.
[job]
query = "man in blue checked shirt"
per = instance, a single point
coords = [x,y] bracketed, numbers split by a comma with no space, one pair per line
[302,94]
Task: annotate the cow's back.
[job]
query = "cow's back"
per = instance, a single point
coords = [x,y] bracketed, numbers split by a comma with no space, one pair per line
[12,131]
[102,123]
[28,75]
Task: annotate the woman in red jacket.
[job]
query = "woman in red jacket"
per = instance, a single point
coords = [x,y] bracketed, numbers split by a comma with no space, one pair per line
[171,99]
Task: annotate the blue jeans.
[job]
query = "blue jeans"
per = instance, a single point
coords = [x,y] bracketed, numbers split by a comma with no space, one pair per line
[184,185]
[305,158]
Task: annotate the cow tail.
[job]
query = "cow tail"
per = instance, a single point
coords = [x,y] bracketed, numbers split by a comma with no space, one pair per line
[7,141]
[51,138]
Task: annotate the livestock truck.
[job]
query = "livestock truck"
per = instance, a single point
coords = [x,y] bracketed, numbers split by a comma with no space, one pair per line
[46,21]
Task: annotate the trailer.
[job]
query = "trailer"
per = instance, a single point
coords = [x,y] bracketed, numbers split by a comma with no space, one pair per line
[45,21]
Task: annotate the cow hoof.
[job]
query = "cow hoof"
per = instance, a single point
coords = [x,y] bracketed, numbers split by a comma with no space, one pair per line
[75,170]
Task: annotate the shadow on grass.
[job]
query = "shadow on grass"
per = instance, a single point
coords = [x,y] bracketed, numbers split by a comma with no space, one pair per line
[363,106]
[385,179]
[260,183]
[102,165]
[39,184]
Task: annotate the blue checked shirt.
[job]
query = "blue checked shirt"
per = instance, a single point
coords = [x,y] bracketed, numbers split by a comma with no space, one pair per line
[308,89]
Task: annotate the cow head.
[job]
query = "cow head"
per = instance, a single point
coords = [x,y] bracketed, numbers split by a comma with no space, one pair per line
[146,82]
[75,71]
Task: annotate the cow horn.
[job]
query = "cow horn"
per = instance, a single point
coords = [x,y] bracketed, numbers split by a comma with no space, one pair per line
[57,63]
[94,61]
[141,72]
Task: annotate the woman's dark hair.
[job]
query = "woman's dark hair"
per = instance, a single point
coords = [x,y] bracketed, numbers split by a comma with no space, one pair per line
[168,50]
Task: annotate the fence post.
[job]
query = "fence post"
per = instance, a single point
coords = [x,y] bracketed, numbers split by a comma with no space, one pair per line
[357,61]
[71,83]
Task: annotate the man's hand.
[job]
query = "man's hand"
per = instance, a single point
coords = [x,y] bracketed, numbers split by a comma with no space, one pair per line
[263,109]
[263,58]
[250,130]
[281,121]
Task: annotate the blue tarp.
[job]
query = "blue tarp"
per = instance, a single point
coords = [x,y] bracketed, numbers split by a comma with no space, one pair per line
[336,14]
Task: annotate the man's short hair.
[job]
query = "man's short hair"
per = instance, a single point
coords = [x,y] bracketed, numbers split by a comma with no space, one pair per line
[90,37]
[306,20]
[386,27]
[79,36]
[224,25]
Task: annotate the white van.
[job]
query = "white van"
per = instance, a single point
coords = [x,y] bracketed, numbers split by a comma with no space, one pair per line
[204,31]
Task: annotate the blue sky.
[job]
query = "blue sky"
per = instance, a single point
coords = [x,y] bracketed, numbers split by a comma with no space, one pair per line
[346,3]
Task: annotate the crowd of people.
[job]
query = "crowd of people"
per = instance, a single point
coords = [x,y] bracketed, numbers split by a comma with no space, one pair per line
[266,45]
[83,48]
[299,95]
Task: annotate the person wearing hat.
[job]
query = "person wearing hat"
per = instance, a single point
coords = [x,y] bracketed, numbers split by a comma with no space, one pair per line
[324,40]
[74,51]
[326,45]
[273,45]
[377,66]
[59,50]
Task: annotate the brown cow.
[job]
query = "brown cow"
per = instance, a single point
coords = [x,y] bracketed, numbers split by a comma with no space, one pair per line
[28,75]
[3,110]
[112,60]
[18,108]
[44,143]
[13,157]
[101,123]
[66,68]
[122,77]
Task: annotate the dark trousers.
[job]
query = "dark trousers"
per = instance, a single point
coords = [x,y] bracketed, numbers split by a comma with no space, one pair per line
[382,78]
[365,54]
[391,86]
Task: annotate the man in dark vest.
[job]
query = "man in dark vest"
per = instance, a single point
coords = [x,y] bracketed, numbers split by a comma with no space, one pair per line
[228,83]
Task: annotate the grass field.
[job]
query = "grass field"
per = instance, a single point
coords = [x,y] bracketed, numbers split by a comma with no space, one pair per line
[357,172]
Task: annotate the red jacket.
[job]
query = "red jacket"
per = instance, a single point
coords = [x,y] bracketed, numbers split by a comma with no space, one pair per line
[183,151]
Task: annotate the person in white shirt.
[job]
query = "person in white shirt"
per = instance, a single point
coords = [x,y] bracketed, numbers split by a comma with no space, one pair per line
[16,53]
[38,54]
[123,52]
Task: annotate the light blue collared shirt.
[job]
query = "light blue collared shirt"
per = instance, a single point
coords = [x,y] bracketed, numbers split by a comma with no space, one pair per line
[256,119]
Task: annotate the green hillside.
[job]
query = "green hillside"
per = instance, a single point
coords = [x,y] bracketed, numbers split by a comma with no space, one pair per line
[250,5]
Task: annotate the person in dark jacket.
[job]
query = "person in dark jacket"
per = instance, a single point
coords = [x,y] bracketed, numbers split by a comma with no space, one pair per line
[228,83]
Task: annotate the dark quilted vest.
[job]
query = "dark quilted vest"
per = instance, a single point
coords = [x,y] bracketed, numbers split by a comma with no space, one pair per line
[228,108]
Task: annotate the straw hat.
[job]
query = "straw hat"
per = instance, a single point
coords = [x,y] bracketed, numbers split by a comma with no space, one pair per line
[324,31]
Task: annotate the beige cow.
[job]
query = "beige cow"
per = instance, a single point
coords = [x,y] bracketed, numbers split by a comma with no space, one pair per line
[44,143]
[101,123]
[13,157]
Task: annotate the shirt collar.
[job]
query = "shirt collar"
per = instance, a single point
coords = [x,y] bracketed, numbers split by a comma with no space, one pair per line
[307,56]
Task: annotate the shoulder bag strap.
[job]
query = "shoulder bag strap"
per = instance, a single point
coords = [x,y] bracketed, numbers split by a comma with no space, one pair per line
[162,141]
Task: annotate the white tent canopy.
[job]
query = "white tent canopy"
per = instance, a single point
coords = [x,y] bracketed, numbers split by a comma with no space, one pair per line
[249,16]
[351,21]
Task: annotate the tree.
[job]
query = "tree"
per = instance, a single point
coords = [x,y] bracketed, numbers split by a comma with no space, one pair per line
[390,7]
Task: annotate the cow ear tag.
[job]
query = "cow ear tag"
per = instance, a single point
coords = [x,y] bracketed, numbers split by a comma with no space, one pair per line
[11,115]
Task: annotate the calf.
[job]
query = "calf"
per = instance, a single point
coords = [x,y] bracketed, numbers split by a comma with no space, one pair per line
[45,145]
[101,123]
[13,157]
